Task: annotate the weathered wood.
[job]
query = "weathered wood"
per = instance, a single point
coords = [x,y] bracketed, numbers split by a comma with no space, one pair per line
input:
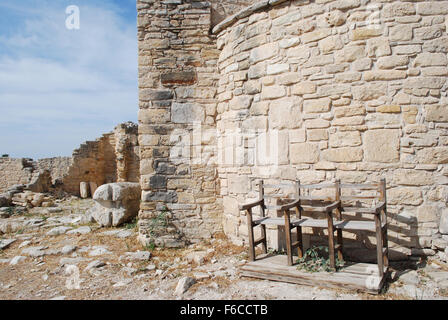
[288,237]
[371,186]
[361,277]
[317,186]
[251,235]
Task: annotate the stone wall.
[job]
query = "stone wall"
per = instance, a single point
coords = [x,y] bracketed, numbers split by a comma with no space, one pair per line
[177,81]
[15,171]
[349,89]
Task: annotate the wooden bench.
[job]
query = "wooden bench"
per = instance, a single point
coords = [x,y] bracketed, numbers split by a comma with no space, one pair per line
[288,222]
[331,208]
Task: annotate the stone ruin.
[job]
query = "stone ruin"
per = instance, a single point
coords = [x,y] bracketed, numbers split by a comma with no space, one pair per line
[236,91]
[111,158]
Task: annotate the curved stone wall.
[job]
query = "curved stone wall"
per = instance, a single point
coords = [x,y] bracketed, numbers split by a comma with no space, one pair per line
[349,89]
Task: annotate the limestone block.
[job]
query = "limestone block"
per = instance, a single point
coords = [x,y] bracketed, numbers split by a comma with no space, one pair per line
[336,18]
[345,139]
[437,155]
[230,205]
[398,9]
[241,102]
[427,59]
[404,196]
[345,4]
[331,44]
[278,68]
[304,153]
[408,177]
[350,111]
[317,124]
[298,135]
[116,203]
[401,33]
[384,75]
[437,113]
[432,8]
[187,113]
[317,105]
[285,114]
[443,225]
[428,214]
[273,92]
[345,154]
[93,186]
[263,52]
[389,109]
[365,33]
[316,35]
[303,88]
[382,145]
[317,135]
[238,184]
[392,62]
[84,190]
[378,47]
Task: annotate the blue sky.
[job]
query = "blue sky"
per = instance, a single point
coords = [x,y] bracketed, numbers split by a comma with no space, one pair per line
[61,87]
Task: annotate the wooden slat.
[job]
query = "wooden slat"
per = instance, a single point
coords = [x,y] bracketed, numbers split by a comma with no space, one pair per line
[279,185]
[314,209]
[312,223]
[348,198]
[273,221]
[321,198]
[256,243]
[355,225]
[360,186]
[318,186]
[359,209]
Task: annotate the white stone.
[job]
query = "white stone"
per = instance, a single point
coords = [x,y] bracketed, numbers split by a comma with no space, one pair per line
[16,260]
[183,285]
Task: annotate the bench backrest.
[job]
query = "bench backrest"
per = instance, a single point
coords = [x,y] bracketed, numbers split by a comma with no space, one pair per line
[362,195]
[276,194]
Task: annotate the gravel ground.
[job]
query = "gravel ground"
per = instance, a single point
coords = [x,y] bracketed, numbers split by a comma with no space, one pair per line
[51,254]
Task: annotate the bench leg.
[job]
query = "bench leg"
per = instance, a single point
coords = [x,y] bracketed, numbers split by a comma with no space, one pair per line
[288,238]
[263,236]
[300,241]
[339,239]
[251,236]
[340,245]
[331,241]
[379,246]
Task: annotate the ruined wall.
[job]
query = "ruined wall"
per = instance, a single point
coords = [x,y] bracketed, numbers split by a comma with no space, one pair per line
[111,158]
[349,89]
[15,171]
[177,81]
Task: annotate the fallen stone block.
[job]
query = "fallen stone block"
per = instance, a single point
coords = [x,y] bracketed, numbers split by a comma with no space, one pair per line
[116,203]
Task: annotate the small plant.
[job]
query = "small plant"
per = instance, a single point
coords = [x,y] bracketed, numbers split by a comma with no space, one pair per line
[131,225]
[150,247]
[313,260]
[10,211]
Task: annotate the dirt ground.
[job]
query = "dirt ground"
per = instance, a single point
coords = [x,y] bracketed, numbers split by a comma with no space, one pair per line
[54,266]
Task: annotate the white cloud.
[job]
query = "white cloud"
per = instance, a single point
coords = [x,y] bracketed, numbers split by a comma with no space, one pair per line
[58,87]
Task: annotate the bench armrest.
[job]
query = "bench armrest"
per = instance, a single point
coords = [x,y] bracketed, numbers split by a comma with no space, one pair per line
[251,204]
[333,206]
[288,206]
[380,206]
